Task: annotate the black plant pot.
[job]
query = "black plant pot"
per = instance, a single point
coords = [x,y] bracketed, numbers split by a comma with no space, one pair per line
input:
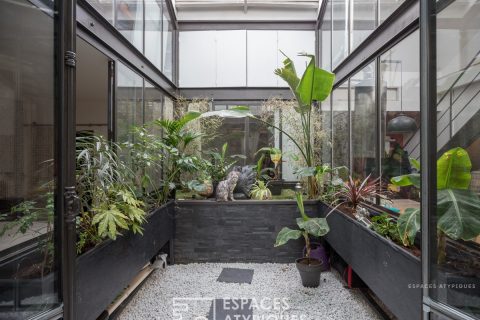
[388,269]
[310,271]
[276,187]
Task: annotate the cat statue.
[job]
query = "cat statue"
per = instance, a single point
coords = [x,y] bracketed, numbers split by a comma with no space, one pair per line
[225,188]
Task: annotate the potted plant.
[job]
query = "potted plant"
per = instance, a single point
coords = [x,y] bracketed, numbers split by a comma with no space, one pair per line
[260,191]
[308,267]
[269,174]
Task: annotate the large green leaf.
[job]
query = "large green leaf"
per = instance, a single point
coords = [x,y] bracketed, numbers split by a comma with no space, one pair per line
[317,227]
[189,116]
[287,234]
[288,73]
[235,112]
[408,225]
[412,179]
[316,84]
[458,213]
[415,163]
[453,170]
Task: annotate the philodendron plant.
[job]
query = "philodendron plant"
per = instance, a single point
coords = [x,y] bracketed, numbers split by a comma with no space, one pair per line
[458,208]
[316,227]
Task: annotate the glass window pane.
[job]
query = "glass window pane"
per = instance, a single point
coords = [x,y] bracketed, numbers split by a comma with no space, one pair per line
[104,7]
[129,107]
[167,55]
[457,236]
[129,21]
[326,39]
[92,82]
[387,7]
[326,145]
[340,31]
[153,102]
[364,118]
[28,274]
[168,108]
[364,20]
[341,126]
[153,32]
[400,99]
[232,131]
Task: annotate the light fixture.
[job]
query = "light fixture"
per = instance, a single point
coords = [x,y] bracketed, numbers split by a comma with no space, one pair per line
[401,123]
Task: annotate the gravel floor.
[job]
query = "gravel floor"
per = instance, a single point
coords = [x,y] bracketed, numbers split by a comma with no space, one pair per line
[186,292]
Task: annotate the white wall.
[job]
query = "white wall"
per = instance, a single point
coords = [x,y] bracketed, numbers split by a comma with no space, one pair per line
[239,58]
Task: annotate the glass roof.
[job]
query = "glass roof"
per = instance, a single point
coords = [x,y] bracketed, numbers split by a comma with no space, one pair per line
[248,3]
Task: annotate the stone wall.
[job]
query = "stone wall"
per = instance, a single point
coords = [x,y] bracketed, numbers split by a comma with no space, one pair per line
[240,231]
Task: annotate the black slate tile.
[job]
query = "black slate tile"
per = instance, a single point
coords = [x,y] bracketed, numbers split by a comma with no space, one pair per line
[234,275]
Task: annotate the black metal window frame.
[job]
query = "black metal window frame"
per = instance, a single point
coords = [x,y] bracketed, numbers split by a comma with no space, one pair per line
[96,30]
[411,16]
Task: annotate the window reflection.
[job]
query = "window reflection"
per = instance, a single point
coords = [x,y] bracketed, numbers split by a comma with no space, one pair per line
[28,277]
[457,255]
[326,39]
[153,103]
[341,126]
[153,32]
[364,20]
[129,107]
[400,107]
[129,21]
[387,7]
[326,114]
[364,118]
[167,35]
[340,31]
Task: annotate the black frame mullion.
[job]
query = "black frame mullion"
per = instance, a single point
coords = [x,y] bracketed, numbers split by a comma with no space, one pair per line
[379,120]
[66,198]
[112,87]
[428,137]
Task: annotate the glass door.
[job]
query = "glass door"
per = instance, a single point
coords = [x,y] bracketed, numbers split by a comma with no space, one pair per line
[29,254]
[455,237]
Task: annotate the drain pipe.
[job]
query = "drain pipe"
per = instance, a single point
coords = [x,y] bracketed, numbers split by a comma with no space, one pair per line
[117,306]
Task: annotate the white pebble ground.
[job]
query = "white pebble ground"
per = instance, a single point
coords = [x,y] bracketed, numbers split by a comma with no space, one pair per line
[271,282]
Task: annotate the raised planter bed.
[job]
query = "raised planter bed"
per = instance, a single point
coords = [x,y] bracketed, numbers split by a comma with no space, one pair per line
[387,269]
[103,272]
[239,231]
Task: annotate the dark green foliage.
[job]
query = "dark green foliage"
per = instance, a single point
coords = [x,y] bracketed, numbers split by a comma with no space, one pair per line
[386,226]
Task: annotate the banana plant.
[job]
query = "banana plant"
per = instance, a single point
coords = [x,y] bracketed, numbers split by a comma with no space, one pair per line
[316,227]
[315,85]
[458,208]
